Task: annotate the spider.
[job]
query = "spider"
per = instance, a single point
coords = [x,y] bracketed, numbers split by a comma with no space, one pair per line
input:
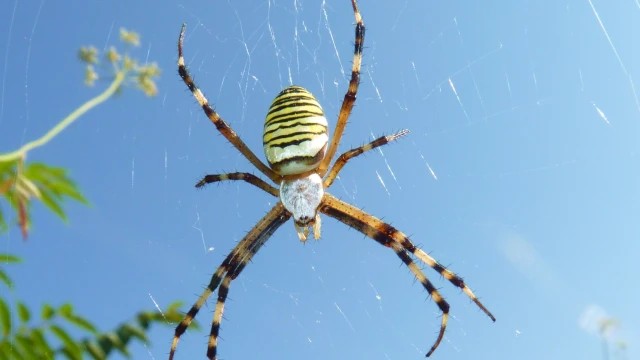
[297,148]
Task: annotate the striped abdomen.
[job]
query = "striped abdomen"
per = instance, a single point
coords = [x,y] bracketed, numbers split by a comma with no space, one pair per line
[295,132]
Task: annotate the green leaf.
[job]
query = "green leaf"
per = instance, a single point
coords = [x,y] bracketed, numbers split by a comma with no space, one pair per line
[65,186]
[82,323]
[5,318]
[67,313]
[7,166]
[9,259]
[52,186]
[40,341]
[128,331]
[94,350]
[28,348]
[23,348]
[65,310]
[8,351]
[110,341]
[47,312]
[52,204]
[60,334]
[3,223]
[72,354]
[4,278]
[68,342]
[23,312]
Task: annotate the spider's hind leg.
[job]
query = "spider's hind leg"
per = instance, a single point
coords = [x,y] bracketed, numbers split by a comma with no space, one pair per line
[447,274]
[393,238]
[443,305]
[230,268]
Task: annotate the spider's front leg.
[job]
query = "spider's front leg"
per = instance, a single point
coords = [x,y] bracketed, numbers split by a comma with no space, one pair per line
[348,155]
[250,178]
[215,118]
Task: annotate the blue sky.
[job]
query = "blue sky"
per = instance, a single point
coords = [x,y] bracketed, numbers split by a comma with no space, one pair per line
[520,173]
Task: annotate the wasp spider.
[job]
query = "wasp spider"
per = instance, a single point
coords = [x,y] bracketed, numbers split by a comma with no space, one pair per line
[297,148]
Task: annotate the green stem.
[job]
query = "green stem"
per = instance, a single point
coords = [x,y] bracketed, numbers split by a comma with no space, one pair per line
[20,153]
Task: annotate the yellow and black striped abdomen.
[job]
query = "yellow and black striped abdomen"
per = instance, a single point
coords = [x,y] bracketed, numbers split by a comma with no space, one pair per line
[295,132]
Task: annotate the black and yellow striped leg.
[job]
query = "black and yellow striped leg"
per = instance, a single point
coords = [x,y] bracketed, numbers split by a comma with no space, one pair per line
[223,292]
[443,305]
[389,236]
[350,96]
[446,273]
[232,274]
[227,271]
[215,118]
[250,178]
[348,155]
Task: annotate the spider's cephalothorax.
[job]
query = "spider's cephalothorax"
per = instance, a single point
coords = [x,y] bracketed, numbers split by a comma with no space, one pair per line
[295,141]
[297,147]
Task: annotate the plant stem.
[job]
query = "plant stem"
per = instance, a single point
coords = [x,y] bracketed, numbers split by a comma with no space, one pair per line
[20,153]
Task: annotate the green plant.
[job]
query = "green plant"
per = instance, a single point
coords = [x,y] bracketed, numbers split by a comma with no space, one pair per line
[58,331]
[22,182]
[24,335]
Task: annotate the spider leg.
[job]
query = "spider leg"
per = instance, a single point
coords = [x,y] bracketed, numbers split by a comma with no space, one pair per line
[223,292]
[229,270]
[389,236]
[350,96]
[433,292]
[215,118]
[250,178]
[348,155]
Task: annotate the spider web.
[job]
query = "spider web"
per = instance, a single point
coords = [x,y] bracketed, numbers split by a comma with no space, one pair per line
[520,173]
